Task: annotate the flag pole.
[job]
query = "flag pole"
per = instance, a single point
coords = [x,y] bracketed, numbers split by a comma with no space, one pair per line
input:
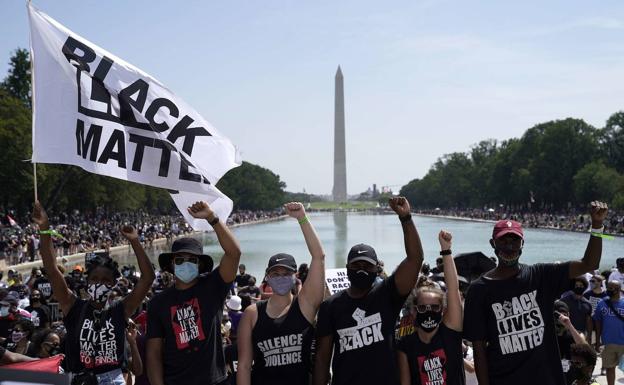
[32,107]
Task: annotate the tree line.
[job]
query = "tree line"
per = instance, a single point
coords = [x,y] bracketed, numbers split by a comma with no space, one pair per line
[64,188]
[554,165]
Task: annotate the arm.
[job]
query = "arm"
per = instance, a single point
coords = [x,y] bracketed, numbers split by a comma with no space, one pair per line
[63,295]
[404,371]
[311,294]
[245,348]
[136,364]
[323,358]
[13,358]
[469,366]
[229,263]
[407,272]
[593,252]
[480,362]
[598,335]
[454,315]
[154,356]
[133,300]
[590,329]
[576,336]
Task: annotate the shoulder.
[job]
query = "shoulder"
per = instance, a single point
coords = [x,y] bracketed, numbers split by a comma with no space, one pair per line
[334,298]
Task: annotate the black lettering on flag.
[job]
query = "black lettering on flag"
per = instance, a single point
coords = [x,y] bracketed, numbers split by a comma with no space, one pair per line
[92,140]
[126,102]
[182,130]
[142,142]
[152,110]
[116,141]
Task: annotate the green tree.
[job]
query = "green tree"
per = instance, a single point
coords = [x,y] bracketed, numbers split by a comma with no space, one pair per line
[253,187]
[612,141]
[596,181]
[17,82]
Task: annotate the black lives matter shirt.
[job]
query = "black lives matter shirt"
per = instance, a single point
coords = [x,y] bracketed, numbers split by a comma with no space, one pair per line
[440,362]
[39,315]
[515,318]
[44,286]
[281,347]
[189,321]
[95,340]
[363,334]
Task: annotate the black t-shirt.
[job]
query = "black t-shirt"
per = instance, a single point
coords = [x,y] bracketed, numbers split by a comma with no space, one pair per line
[363,334]
[2,351]
[440,362]
[565,342]
[189,321]
[44,286]
[281,347]
[231,358]
[515,317]
[253,291]
[242,280]
[96,340]
[580,310]
[39,315]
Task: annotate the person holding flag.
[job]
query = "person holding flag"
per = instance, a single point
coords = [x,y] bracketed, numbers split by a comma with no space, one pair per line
[96,336]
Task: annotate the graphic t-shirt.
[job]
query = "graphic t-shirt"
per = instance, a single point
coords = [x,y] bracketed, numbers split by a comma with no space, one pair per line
[363,334]
[189,321]
[565,342]
[580,310]
[281,347]
[39,315]
[515,318]
[440,362]
[612,326]
[231,359]
[44,286]
[594,299]
[96,340]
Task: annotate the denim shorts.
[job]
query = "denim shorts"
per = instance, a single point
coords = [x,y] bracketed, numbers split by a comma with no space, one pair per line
[114,377]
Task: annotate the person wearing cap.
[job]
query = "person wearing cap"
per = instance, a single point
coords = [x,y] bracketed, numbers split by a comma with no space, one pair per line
[96,335]
[234,306]
[9,313]
[609,317]
[275,336]
[184,341]
[617,274]
[355,328]
[508,311]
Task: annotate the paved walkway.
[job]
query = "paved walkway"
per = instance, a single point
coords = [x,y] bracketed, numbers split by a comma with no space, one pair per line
[602,380]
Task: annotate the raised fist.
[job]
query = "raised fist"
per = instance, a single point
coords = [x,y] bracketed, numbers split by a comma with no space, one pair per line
[445,239]
[598,211]
[201,210]
[295,210]
[129,232]
[400,205]
[39,216]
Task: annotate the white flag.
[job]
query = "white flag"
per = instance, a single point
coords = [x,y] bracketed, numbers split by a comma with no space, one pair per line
[94,110]
[219,203]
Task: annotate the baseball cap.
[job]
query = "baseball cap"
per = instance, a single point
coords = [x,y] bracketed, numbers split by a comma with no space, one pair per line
[362,252]
[10,299]
[507,227]
[284,260]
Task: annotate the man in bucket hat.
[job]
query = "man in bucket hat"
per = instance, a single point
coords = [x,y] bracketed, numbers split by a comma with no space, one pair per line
[184,322]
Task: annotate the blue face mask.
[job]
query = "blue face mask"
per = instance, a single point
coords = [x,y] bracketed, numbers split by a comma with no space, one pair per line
[186,272]
[282,284]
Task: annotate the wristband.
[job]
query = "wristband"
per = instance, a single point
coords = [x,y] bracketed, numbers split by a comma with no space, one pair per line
[446,252]
[52,233]
[214,221]
[596,231]
[303,220]
[601,235]
[406,218]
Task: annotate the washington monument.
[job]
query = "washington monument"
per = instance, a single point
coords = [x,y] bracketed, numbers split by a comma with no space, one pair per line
[340,160]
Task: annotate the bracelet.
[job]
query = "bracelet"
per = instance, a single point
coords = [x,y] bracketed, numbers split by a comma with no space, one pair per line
[303,220]
[52,233]
[596,231]
[446,252]
[406,218]
[601,235]
[214,221]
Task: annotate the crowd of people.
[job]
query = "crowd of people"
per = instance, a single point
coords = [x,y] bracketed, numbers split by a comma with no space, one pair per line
[570,220]
[189,322]
[80,232]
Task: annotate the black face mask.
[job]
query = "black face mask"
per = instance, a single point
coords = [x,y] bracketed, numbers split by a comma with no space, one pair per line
[578,290]
[361,279]
[428,320]
[54,350]
[35,300]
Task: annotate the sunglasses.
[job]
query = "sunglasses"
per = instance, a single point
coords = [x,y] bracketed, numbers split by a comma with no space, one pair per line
[181,260]
[423,308]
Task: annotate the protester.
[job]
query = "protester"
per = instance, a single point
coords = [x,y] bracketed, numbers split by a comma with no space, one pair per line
[567,335]
[617,274]
[583,362]
[184,344]
[96,335]
[356,326]
[242,279]
[594,296]
[275,336]
[234,306]
[580,307]
[46,343]
[434,354]
[9,313]
[251,290]
[508,310]
[609,317]
[38,309]
[19,340]
[7,357]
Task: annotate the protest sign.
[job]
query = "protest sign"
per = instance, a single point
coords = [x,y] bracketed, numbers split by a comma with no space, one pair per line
[336,280]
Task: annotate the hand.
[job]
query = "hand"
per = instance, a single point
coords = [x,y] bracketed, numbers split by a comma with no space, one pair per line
[400,205]
[598,211]
[295,210]
[129,233]
[565,320]
[40,217]
[445,239]
[131,331]
[201,210]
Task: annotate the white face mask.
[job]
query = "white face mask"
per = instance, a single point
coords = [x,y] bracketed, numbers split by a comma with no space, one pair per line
[4,311]
[99,292]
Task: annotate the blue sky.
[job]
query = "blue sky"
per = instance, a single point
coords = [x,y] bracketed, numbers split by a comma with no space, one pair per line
[422,78]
